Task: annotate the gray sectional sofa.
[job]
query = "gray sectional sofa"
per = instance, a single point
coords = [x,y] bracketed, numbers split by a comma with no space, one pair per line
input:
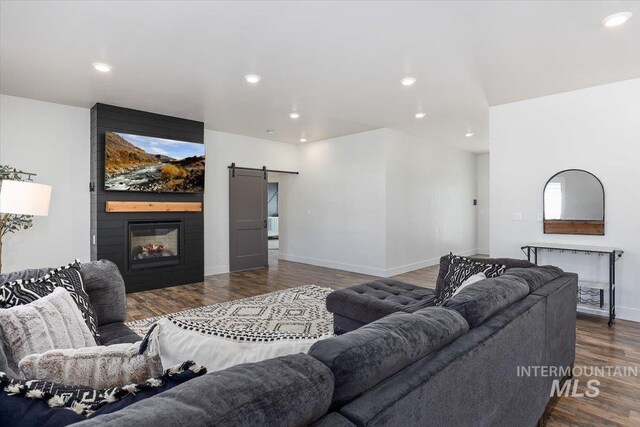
[454,365]
[105,287]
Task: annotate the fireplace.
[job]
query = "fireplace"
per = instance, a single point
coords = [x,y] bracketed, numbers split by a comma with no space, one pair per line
[154,244]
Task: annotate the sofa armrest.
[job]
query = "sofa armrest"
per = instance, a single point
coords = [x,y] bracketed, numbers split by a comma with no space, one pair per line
[105,286]
[477,374]
[561,297]
[292,390]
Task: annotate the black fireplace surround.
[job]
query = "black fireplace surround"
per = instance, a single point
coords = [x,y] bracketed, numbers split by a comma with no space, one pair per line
[152,262]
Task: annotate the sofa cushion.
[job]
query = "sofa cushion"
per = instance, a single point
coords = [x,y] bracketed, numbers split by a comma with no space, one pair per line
[373,300]
[536,277]
[105,286]
[478,302]
[293,390]
[21,291]
[117,333]
[43,403]
[362,358]
[53,321]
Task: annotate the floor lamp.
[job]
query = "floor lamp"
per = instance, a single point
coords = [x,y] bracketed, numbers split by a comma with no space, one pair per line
[21,198]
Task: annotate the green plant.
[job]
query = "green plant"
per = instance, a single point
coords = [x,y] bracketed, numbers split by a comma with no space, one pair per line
[10,223]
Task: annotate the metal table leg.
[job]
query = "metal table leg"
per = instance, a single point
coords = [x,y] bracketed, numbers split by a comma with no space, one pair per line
[612,272]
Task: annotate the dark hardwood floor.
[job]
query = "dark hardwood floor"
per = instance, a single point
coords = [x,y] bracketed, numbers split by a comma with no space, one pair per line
[597,344]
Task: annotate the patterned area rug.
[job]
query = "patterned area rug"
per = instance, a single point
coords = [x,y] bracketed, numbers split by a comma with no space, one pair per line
[297,313]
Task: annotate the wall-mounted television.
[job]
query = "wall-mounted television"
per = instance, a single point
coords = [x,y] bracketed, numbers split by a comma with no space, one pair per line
[144,163]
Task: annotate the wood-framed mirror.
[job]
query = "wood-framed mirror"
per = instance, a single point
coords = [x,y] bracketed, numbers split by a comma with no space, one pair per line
[573,203]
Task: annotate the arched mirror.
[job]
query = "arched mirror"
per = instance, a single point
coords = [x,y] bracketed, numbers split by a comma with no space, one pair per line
[574,203]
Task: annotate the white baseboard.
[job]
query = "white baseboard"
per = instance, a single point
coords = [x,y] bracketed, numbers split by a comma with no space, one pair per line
[628,313]
[371,271]
[622,313]
[394,271]
[411,267]
[471,252]
[220,269]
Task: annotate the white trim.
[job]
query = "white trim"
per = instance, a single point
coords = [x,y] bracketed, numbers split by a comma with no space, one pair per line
[593,311]
[219,269]
[622,313]
[628,313]
[422,264]
[411,267]
[371,271]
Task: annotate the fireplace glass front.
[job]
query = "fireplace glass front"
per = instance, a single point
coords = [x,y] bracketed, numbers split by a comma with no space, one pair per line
[154,244]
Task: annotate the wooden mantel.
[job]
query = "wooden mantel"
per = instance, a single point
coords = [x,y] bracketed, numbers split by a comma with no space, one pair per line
[113,206]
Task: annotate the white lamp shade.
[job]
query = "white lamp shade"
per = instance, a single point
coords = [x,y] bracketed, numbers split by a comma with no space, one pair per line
[24,198]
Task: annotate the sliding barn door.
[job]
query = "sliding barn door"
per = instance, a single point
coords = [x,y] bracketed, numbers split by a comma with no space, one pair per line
[247,220]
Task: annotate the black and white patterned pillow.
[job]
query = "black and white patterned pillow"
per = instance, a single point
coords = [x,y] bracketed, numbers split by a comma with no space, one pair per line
[21,292]
[83,401]
[460,269]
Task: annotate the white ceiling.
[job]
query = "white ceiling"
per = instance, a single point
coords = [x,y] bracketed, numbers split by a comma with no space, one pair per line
[338,63]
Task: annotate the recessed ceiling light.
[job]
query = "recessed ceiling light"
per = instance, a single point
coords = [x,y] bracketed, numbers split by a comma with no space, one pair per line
[616,19]
[294,115]
[270,131]
[102,67]
[420,115]
[303,139]
[408,81]
[252,78]
[469,134]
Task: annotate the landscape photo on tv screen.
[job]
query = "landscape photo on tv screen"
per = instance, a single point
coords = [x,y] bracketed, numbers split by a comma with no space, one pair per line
[144,163]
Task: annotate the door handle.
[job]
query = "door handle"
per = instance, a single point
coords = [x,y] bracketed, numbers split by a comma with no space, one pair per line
[265,223]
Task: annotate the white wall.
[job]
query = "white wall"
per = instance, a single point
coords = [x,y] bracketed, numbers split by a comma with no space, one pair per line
[483,203]
[51,140]
[222,149]
[380,203]
[597,129]
[336,206]
[430,191]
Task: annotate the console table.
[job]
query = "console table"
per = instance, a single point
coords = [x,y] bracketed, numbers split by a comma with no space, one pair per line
[587,290]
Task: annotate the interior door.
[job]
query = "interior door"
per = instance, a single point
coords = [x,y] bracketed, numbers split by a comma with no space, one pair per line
[247,220]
